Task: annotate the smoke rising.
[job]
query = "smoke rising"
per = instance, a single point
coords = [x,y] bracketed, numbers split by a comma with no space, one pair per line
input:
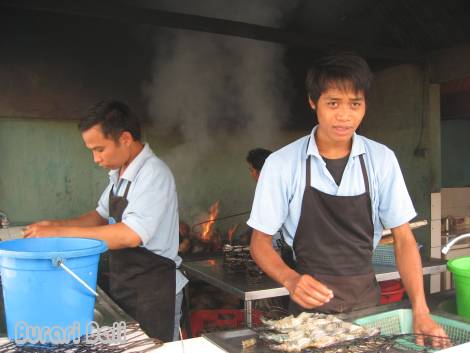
[222,95]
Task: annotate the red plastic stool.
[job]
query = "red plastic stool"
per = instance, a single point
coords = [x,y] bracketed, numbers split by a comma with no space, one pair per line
[391,291]
[219,319]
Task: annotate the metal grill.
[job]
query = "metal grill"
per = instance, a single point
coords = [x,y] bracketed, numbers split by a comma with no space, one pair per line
[237,259]
[404,343]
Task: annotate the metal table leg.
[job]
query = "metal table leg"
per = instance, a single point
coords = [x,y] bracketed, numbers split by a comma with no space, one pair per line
[248,313]
[186,311]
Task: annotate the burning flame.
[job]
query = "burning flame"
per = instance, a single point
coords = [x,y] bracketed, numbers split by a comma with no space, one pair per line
[231,232]
[207,228]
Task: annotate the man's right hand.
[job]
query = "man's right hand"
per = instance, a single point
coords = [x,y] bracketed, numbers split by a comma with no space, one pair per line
[37,230]
[45,228]
[303,289]
[307,291]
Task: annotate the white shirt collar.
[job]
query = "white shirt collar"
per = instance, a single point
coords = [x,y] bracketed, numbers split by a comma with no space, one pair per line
[133,168]
[356,149]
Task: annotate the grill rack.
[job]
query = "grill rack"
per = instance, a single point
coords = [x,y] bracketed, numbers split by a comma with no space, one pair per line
[237,259]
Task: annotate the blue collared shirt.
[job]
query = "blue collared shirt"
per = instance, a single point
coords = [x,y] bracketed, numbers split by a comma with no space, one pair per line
[279,192]
[152,211]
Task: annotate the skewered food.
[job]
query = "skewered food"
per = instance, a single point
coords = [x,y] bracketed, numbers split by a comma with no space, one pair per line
[315,330]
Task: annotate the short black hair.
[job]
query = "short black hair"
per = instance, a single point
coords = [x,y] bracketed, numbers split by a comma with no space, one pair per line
[343,71]
[257,156]
[114,118]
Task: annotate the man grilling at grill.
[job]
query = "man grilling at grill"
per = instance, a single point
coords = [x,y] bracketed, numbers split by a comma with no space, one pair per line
[330,192]
[137,216]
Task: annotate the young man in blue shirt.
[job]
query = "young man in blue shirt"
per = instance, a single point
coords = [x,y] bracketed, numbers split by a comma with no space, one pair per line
[137,216]
[331,193]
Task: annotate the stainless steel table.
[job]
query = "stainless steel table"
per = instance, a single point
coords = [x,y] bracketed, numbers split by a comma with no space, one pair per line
[250,288]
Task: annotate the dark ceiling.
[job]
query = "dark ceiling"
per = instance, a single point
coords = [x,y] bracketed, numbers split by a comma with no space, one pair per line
[420,25]
[385,31]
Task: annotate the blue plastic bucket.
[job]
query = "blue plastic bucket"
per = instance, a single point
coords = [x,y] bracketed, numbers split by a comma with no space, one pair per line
[43,303]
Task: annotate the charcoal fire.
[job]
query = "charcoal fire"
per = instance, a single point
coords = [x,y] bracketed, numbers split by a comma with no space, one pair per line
[204,240]
[207,227]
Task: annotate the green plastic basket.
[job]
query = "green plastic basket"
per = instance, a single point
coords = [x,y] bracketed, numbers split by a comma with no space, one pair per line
[400,321]
[384,255]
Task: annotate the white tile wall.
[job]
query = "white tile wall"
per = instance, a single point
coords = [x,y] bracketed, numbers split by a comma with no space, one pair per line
[435,280]
[435,233]
[436,206]
[456,212]
[455,202]
[436,252]
[436,215]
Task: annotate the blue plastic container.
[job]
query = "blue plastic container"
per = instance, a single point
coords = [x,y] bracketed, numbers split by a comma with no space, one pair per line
[43,303]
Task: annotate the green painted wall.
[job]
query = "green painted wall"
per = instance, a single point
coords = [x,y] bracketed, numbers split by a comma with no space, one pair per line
[46,171]
[456,153]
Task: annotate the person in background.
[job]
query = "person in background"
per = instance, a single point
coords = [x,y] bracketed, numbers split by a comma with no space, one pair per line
[331,191]
[255,160]
[137,216]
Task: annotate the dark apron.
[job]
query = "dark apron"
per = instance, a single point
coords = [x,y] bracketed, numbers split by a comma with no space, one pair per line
[141,282]
[333,243]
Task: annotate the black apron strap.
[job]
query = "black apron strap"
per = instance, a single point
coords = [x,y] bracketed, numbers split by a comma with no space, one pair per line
[364,173]
[127,190]
[308,179]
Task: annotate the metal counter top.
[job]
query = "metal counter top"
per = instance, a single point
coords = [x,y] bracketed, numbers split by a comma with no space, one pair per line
[248,287]
[243,286]
[430,267]
[231,340]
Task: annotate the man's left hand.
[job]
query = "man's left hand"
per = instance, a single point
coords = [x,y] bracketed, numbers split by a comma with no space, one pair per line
[424,325]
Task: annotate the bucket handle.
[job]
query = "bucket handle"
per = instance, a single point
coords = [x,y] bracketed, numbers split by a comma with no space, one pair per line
[60,263]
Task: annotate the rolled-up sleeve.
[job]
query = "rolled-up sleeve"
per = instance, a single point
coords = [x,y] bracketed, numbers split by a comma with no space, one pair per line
[395,205]
[271,201]
[103,203]
[150,203]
